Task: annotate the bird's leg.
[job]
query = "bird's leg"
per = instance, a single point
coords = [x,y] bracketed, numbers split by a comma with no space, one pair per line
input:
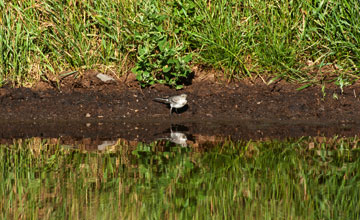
[170,110]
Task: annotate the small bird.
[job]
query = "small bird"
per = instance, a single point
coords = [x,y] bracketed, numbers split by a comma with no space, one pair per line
[177,101]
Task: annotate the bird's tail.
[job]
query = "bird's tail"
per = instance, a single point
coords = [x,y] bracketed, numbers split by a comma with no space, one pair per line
[163,100]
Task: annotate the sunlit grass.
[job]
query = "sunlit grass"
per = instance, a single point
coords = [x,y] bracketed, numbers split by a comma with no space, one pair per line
[309,178]
[291,39]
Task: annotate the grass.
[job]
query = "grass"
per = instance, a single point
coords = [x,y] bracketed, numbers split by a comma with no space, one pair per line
[308,178]
[294,40]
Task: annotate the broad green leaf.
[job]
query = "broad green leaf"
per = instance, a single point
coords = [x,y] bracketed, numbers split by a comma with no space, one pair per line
[166,69]
[179,86]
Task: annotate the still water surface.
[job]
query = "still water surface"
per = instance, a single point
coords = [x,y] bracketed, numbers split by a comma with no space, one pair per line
[306,178]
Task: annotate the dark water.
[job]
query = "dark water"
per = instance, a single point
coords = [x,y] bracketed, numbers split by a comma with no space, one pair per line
[194,130]
[147,170]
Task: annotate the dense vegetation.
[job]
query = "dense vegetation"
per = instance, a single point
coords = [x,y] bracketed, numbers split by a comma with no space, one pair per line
[161,40]
[309,178]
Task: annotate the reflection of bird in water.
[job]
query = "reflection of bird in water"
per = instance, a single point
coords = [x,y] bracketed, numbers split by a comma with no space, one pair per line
[178,138]
[177,101]
[104,144]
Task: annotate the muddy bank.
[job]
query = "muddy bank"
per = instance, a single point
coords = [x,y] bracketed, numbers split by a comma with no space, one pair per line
[88,107]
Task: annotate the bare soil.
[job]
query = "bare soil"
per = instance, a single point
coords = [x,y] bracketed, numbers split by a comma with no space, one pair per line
[87,107]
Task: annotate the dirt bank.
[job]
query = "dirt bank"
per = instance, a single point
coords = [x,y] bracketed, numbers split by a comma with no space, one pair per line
[88,107]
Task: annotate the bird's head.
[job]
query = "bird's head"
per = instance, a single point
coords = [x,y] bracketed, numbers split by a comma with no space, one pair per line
[183,96]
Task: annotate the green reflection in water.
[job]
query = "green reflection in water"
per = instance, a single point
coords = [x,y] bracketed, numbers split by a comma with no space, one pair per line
[310,178]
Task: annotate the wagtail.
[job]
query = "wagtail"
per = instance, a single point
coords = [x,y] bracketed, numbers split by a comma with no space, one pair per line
[177,101]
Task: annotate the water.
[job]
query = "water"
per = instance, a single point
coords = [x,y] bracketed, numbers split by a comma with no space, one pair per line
[94,178]
[199,130]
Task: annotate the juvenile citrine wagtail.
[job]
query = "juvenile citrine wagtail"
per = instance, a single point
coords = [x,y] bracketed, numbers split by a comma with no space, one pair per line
[177,101]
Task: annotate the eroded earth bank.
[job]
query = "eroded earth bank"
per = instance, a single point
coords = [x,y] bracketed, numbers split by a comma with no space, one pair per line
[88,107]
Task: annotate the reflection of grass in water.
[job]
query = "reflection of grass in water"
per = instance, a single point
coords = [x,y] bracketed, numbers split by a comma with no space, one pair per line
[295,179]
